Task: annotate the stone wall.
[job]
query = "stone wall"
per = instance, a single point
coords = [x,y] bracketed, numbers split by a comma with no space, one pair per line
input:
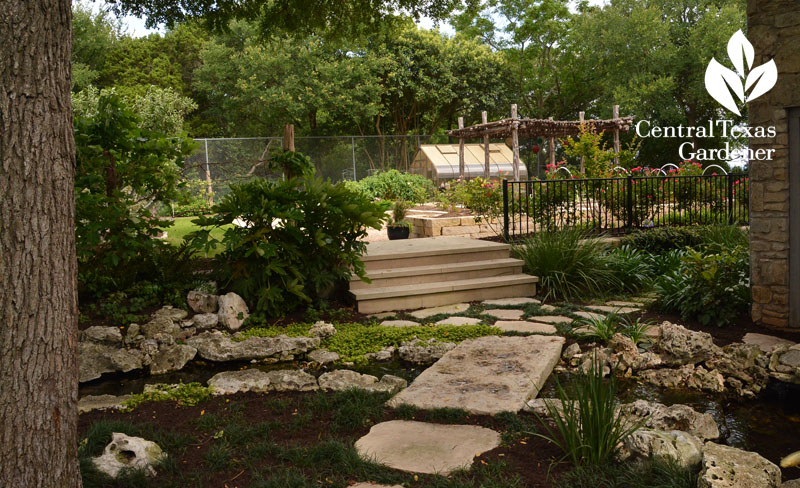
[454,226]
[774,31]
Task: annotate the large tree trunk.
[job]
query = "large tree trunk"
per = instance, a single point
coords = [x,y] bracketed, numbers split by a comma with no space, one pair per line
[38,296]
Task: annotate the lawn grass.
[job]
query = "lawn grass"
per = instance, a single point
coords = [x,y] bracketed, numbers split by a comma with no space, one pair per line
[183,226]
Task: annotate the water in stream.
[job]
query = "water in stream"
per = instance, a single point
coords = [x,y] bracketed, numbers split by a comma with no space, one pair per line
[769,425]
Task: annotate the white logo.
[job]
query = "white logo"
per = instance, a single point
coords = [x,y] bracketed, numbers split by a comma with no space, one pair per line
[720,81]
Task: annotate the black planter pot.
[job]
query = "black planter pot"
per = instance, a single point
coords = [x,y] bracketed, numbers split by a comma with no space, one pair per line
[399,232]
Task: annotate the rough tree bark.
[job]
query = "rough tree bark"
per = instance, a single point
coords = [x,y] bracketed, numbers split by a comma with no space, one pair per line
[38,297]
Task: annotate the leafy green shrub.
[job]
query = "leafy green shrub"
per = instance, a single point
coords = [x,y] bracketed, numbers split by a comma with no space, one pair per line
[712,288]
[600,327]
[300,236]
[185,394]
[122,173]
[569,264]
[394,185]
[661,239]
[586,426]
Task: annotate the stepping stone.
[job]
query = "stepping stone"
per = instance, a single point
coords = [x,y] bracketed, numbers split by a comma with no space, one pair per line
[613,309]
[421,447]
[101,402]
[505,313]
[551,319]
[428,312]
[501,302]
[381,315]
[765,342]
[525,326]
[485,376]
[459,321]
[590,315]
[547,308]
[622,303]
[399,323]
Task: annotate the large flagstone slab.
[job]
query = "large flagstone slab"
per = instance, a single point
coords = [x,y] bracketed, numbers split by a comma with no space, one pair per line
[422,447]
[525,326]
[487,375]
[510,301]
[428,312]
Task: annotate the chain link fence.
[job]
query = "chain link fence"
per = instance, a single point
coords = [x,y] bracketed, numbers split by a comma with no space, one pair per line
[216,164]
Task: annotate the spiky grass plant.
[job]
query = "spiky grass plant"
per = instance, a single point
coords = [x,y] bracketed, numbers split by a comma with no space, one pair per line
[599,327]
[569,263]
[585,424]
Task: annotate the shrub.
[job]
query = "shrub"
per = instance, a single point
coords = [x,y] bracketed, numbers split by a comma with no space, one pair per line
[649,473]
[586,426]
[633,268]
[709,288]
[601,327]
[299,237]
[122,173]
[662,239]
[569,264]
[394,185]
[188,394]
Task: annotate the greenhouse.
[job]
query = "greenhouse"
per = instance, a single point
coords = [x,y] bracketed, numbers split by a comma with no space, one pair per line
[439,162]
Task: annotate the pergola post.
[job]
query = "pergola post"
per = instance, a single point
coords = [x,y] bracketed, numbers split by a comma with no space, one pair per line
[461,149]
[615,116]
[515,140]
[580,117]
[552,151]
[487,170]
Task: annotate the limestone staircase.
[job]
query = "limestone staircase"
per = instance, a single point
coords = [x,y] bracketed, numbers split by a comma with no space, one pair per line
[429,272]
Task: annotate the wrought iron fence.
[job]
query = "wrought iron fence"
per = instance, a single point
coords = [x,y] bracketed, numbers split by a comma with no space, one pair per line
[615,205]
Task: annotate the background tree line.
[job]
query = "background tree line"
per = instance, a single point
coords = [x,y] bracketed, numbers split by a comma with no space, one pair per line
[647,56]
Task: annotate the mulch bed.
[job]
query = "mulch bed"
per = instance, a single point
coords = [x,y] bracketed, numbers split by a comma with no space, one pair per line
[530,457]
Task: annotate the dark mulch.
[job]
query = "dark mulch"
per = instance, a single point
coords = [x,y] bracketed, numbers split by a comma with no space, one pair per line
[727,334]
[526,455]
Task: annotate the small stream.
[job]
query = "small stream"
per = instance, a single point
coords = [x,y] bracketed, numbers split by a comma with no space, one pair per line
[768,425]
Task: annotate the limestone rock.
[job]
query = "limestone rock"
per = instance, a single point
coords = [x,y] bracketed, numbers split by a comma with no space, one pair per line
[570,351]
[232,311]
[204,321]
[675,417]
[101,402]
[766,343]
[448,309]
[791,484]
[201,302]
[230,382]
[292,380]
[343,379]
[505,313]
[129,452]
[423,352]
[728,467]
[322,356]
[133,335]
[679,345]
[684,448]
[161,325]
[218,346]
[96,359]
[172,358]
[525,327]
[102,335]
[745,362]
[421,447]
[385,354]
[171,313]
[486,375]
[510,302]
[322,330]
[784,364]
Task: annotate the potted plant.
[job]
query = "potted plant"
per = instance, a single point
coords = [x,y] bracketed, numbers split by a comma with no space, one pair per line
[399,228]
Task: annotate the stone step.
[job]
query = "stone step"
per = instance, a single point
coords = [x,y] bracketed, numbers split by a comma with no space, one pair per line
[413,296]
[485,376]
[438,272]
[430,251]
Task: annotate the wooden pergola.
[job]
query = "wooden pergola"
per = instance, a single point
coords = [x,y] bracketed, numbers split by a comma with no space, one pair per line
[549,128]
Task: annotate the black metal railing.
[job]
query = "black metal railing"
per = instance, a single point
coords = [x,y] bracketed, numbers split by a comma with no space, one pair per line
[620,204]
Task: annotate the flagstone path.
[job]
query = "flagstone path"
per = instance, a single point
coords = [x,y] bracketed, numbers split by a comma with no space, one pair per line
[487,375]
[422,447]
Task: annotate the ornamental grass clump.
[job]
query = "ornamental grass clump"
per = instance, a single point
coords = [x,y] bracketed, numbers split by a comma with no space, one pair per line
[570,264]
[585,423]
